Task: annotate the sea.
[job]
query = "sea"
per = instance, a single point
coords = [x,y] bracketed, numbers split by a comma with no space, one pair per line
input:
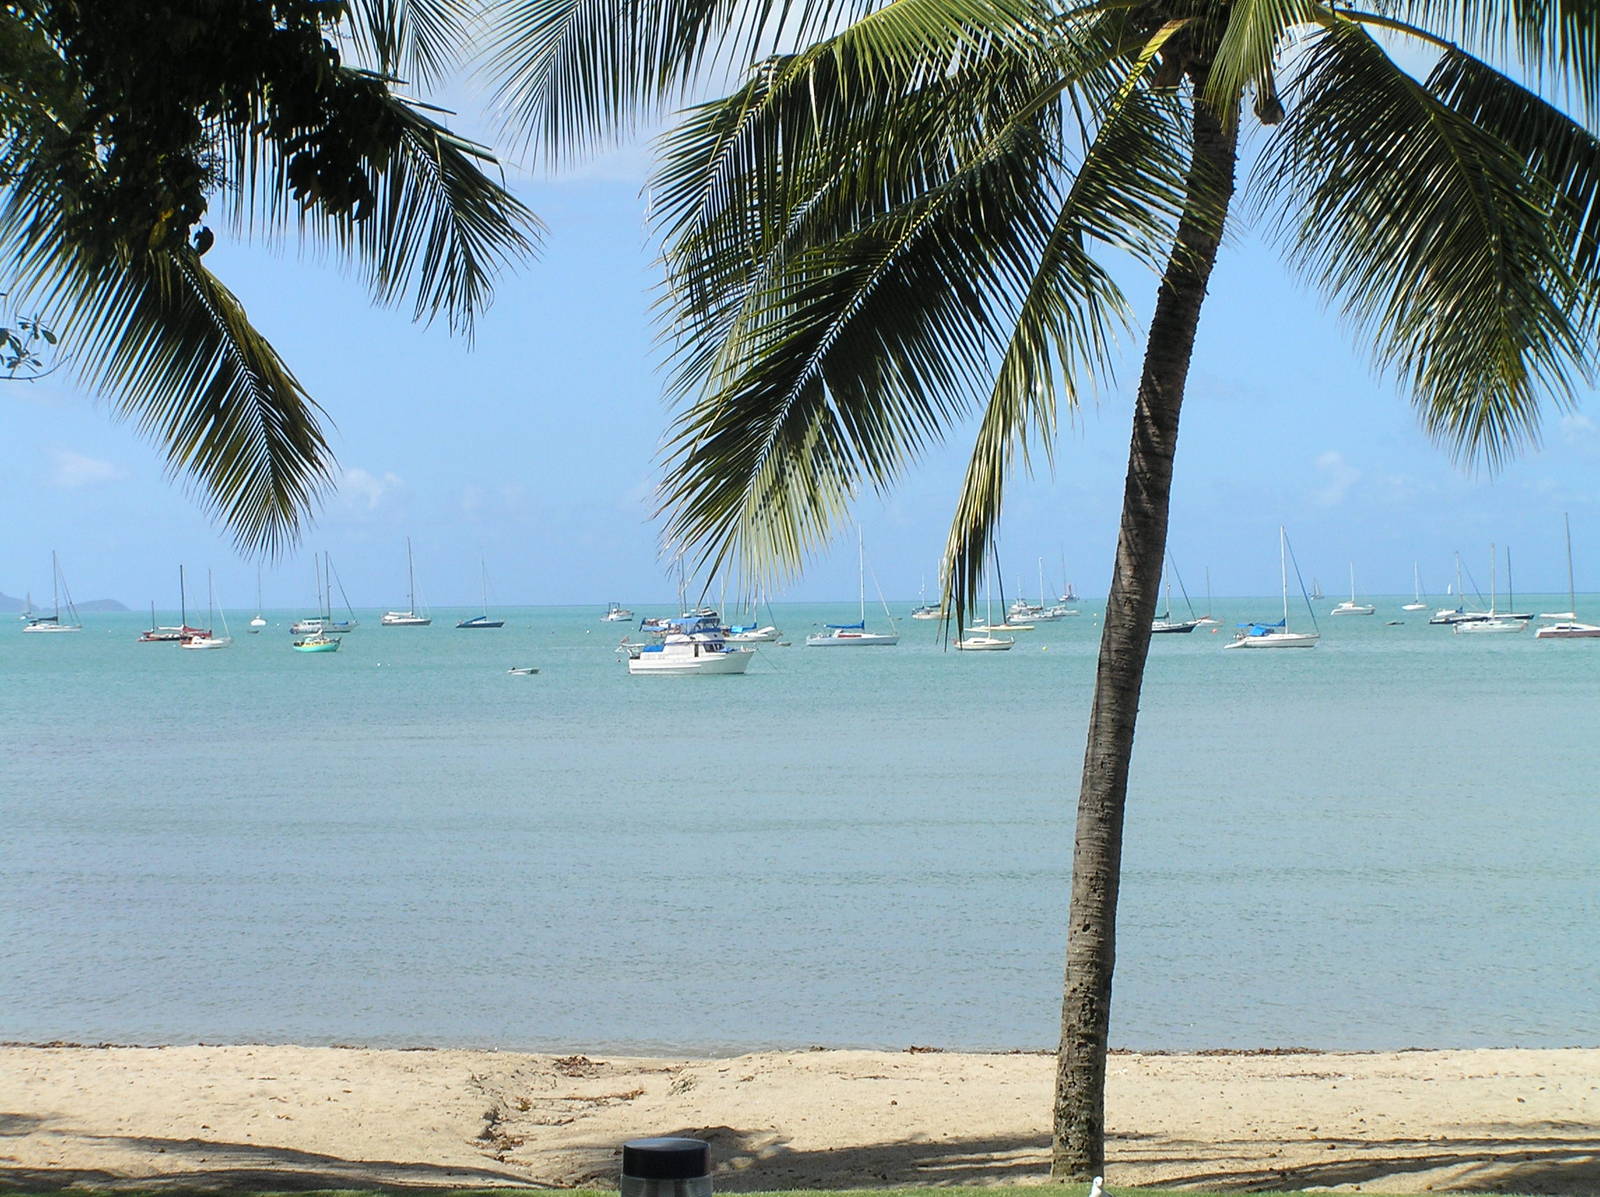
[1391,840]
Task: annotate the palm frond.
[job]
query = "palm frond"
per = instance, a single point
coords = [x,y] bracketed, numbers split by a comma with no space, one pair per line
[1556,152]
[1436,239]
[1128,192]
[413,38]
[574,72]
[173,351]
[1247,55]
[436,228]
[1556,42]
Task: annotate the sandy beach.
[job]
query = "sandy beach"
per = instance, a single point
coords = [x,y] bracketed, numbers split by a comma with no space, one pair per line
[297,1117]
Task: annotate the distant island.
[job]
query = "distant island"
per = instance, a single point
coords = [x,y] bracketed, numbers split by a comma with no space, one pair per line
[7,603]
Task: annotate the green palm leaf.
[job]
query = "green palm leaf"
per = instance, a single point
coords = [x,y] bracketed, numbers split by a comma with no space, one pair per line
[176,350]
[1435,237]
[576,71]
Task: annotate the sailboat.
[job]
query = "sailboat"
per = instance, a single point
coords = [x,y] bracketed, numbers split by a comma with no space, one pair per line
[1416,603]
[409,617]
[315,637]
[986,641]
[165,633]
[1568,628]
[1352,607]
[159,633]
[924,609]
[1458,613]
[1495,620]
[1164,623]
[483,621]
[259,621]
[207,640]
[52,623]
[1316,590]
[1208,620]
[1277,635]
[855,635]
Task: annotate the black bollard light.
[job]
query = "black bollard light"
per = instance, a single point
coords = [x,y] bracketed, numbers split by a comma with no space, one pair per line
[666,1168]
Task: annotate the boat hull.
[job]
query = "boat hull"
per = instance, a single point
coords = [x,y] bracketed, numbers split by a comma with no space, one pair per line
[659,664]
[316,646]
[1489,626]
[404,619]
[853,640]
[985,644]
[481,622]
[206,642]
[1276,640]
[1569,631]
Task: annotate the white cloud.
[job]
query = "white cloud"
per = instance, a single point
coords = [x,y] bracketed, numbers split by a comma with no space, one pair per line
[363,488]
[1578,429]
[73,470]
[1337,477]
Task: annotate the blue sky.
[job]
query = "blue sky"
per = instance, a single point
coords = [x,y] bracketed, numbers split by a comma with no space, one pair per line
[535,449]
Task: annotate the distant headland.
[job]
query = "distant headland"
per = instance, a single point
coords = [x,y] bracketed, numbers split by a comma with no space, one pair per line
[7,603]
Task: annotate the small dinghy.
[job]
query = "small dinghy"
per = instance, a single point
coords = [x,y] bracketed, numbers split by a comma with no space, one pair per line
[522,670]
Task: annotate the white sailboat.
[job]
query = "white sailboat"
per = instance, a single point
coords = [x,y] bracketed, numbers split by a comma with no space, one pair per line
[1276,635]
[986,641]
[1416,603]
[409,617]
[1568,627]
[207,639]
[314,632]
[855,635]
[1208,620]
[259,621]
[1495,621]
[1352,607]
[52,622]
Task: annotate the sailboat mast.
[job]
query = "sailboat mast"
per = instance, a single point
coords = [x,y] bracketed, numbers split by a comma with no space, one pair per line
[183,600]
[1352,583]
[1494,579]
[1572,597]
[1511,590]
[411,580]
[861,573]
[1283,572]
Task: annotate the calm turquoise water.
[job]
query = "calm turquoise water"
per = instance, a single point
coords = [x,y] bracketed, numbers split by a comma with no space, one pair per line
[1390,840]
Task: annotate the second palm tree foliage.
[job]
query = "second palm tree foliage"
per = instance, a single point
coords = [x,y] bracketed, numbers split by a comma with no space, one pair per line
[902,215]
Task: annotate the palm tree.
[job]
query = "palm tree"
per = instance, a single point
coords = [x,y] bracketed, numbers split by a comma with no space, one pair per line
[900,215]
[122,126]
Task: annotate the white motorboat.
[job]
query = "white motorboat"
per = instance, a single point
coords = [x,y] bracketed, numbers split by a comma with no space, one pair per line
[1276,635]
[855,635]
[617,613]
[1351,607]
[683,653]
[52,623]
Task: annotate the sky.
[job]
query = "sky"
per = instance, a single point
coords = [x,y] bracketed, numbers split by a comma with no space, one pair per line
[532,453]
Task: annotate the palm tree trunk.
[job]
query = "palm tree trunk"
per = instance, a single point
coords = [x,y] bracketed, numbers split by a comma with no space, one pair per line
[1078,1150]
